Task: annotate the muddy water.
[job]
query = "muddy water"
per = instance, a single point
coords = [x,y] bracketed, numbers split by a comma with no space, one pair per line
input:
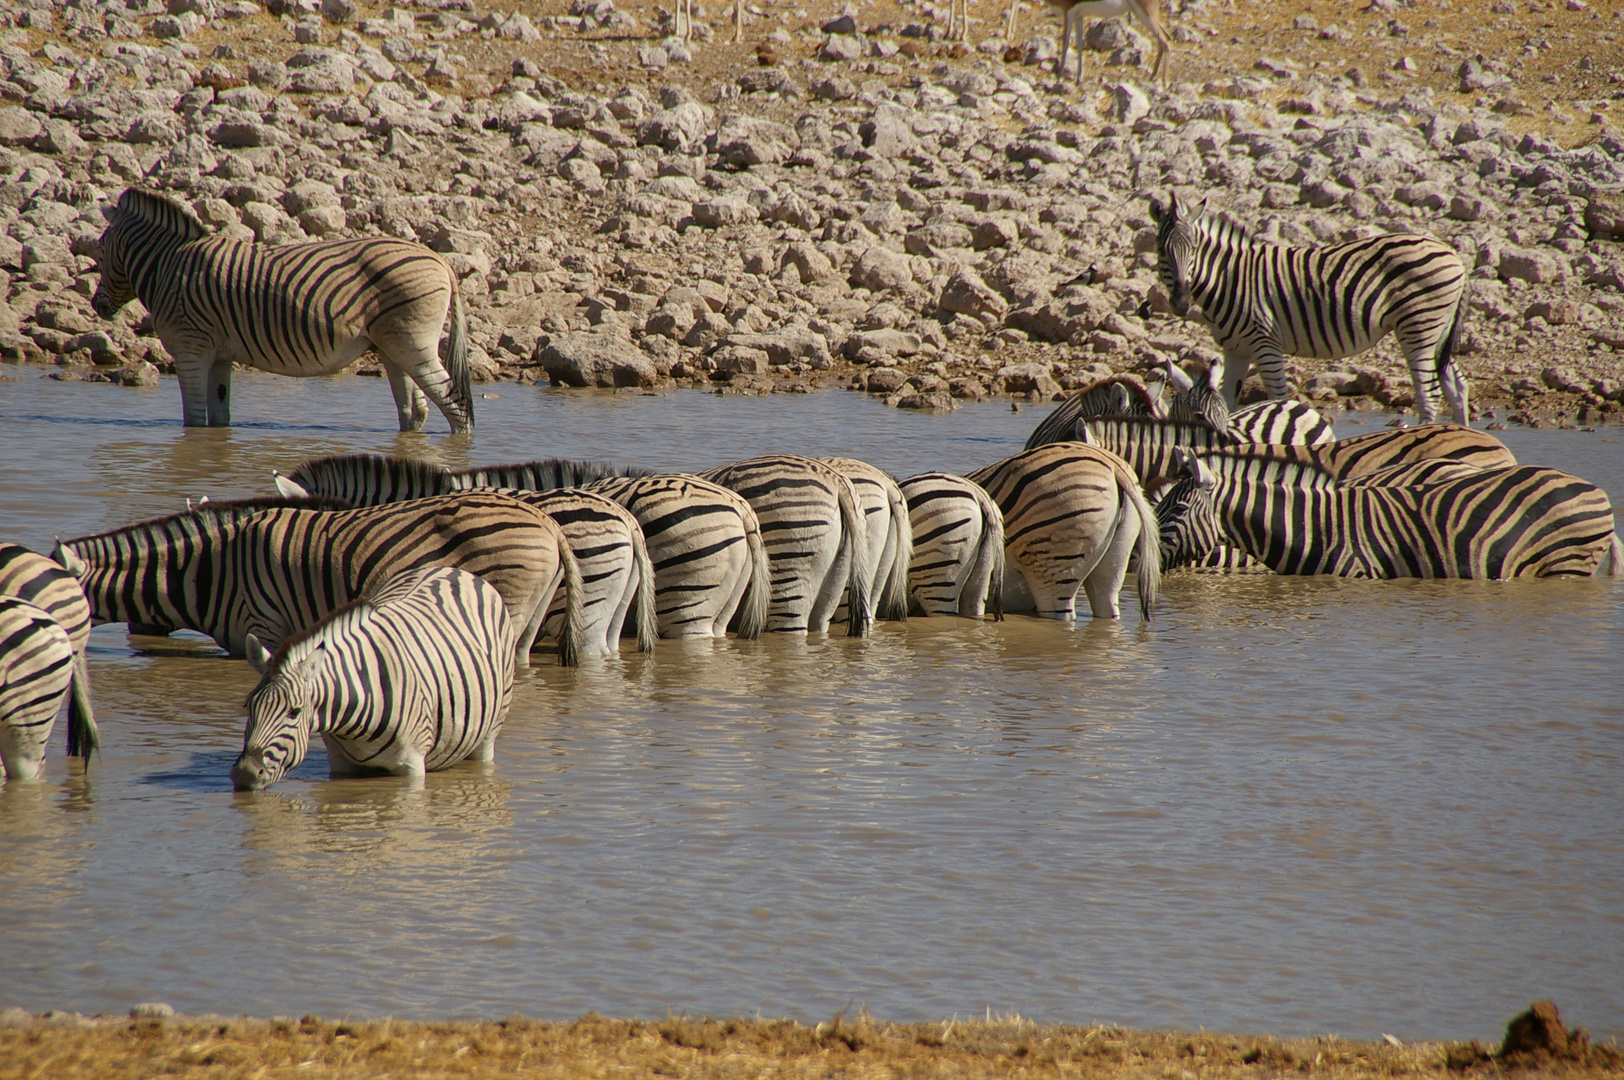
[1293,805]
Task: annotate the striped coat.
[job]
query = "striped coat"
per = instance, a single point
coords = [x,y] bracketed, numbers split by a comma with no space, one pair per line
[412,677]
[36,670]
[890,537]
[295,309]
[1073,516]
[266,568]
[44,583]
[958,546]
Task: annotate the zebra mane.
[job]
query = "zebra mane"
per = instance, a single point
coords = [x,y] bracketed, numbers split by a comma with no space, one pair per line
[226,510]
[1161,425]
[162,211]
[544,474]
[345,467]
[296,642]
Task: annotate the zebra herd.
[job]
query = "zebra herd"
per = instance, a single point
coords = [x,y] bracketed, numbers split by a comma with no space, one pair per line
[386,602]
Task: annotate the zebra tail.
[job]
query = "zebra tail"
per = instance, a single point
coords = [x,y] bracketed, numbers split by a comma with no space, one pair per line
[456,363]
[569,635]
[1149,576]
[992,547]
[854,531]
[84,737]
[1613,564]
[758,594]
[895,602]
[647,629]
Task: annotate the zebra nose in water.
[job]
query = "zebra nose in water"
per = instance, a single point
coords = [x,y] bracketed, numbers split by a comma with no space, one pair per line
[248,774]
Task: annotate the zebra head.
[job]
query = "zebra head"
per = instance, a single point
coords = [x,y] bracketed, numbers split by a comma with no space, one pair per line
[1175,251]
[1187,522]
[1202,402]
[280,713]
[139,227]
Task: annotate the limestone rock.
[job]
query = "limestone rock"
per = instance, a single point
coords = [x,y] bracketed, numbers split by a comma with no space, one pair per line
[880,268]
[586,358]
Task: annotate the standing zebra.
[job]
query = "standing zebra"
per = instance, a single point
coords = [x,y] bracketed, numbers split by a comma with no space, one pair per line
[1494,523]
[292,309]
[263,567]
[409,678]
[1264,300]
[890,537]
[36,670]
[30,576]
[606,540]
[1074,515]
[958,546]
[815,539]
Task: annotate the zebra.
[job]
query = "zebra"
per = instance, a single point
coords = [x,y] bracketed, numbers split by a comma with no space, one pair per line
[1116,395]
[1198,402]
[1264,300]
[617,577]
[815,538]
[1522,521]
[1280,423]
[1147,443]
[410,677]
[291,309]
[31,576]
[958,546]
[270,568]
[1074,514]
[890,536]
[1378,450]
[36,674]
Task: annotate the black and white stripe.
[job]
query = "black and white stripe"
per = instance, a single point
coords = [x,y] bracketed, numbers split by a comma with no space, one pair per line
[1115,395]
[1280,423]
[44,583]
[410,678]
[815,538]
[267,568]
[1265,301]
[958,546]
[36,673]
[890,537]
[1073,516]
[295,309]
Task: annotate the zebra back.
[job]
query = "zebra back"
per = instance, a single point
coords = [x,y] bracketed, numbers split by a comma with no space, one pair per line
[36,670]
[541,475]
[366,479]
[1115,395]
[1382,449]
[47,585]
[1284,423]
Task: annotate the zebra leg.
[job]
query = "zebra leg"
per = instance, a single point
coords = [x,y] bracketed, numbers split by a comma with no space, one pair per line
[421,364]
[193,372]
[219,393]
[1271,366]
[1236,367]
[411,407]
[1104,583]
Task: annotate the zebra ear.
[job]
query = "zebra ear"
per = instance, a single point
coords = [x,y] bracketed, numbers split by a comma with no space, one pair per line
[1201,210]
[1215,378]
[70,562]
[287,488]
[1082,433]
[259,657]
[1204,477]
[1178,378]
[1156,210]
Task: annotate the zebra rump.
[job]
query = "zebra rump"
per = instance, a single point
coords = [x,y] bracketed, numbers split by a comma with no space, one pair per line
[36,670]
[890,546]
[958,546]
[49,586]
[412,677]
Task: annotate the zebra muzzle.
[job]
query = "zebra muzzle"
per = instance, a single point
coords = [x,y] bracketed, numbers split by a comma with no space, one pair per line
[249,772]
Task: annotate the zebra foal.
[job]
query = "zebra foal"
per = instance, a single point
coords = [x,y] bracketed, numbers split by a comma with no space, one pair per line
[36,670]
[30,576]
[958,546]
[290,309]
[1264,301]
[411,677]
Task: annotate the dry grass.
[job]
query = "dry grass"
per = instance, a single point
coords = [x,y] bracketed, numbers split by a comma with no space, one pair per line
[595,1046]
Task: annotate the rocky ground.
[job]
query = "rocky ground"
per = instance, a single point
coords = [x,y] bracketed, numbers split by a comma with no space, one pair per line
[843,198]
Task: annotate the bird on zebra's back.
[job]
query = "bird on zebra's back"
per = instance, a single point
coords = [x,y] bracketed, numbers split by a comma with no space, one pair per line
[815,538]
[890,537]
[36,673]
[958,546]
[1296,518]
[290,309]
[271,567]
[45,583]
[413,676]
[1264,301]
[1073,516]
[607,541]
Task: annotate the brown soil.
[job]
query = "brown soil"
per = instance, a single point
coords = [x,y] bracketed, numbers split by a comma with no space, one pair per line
[596,1047]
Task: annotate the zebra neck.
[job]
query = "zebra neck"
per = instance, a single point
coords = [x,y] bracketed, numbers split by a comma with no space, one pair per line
[151,268]
[1286,528]
[165,573]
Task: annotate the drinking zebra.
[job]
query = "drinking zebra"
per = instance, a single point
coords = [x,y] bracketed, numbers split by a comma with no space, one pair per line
[1523,521]
[617,577]
[815,539]
[410,677]
[30,576]
[291,309]
[268,568]
[36,673]
[1115,395]
[1263,301]
[958,546]
[1073,514]
[890,537]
